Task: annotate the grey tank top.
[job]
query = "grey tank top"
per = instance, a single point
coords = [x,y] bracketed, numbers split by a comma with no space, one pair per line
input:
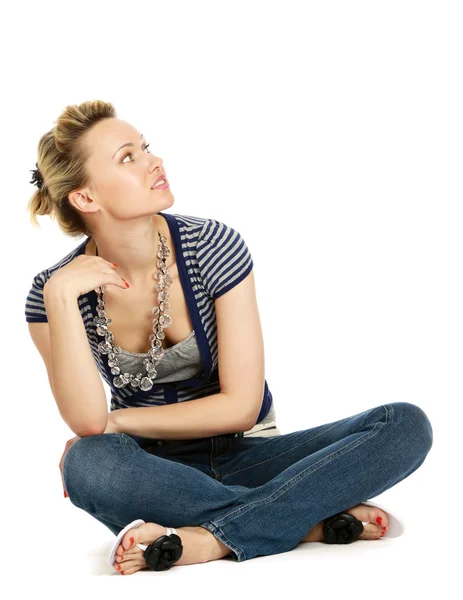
[183,361]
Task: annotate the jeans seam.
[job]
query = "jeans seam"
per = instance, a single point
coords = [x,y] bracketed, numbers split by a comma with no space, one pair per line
[218,533]
[211,457]
[391,410]
[281,453]
[123,439]
[385,406]
[284,488]
[214,456]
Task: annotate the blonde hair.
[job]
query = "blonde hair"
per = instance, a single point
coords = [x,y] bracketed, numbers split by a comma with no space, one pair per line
[62,155]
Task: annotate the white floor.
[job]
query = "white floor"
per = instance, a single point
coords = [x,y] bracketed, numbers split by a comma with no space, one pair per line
[413,563]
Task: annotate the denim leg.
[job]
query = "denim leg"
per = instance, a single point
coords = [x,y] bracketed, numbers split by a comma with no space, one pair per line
[296,480]
[116,481]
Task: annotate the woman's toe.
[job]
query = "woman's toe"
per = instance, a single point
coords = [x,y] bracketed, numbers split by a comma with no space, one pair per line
[380,517]
[371,532]
[130,539]
[130,566]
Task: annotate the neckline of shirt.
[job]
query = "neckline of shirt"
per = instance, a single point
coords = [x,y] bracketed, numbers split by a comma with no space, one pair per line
[166,350]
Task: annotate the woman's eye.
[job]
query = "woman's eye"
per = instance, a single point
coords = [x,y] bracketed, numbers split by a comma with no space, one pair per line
[130,153]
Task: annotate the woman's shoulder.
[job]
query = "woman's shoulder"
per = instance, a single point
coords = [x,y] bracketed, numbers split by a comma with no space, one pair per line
[206,229]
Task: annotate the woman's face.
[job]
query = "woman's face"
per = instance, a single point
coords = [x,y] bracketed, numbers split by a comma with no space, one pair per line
[121,178]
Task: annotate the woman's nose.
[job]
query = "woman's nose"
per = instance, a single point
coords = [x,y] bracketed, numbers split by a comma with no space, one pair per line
[155,163]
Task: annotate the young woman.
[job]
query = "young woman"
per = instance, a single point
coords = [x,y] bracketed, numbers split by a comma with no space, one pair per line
[153,304]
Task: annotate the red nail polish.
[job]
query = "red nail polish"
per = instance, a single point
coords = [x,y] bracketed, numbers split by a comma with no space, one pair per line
[125,282]
[115,264]
[131,542]
[65,494]
[378,520]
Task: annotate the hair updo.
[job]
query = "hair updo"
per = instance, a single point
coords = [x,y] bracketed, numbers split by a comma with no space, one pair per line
[62,156]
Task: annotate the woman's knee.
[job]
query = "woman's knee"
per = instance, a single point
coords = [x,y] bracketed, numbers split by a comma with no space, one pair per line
[415,424]
[87,459]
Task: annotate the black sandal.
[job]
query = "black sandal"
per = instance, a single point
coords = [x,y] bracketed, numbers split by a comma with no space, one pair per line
[342,528]
[161,554]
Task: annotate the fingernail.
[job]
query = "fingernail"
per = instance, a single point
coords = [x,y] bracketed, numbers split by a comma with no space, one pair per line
[378,520]
[65,495]
[125,282]
[131,542]
[115,264]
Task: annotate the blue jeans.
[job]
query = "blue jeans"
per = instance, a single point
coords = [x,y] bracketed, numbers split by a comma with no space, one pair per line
[257,495]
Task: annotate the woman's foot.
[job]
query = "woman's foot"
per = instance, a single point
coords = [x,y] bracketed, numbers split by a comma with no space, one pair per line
[199,546]
[376,524]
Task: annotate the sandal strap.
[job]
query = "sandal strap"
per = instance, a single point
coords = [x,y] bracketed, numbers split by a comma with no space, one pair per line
[342,528]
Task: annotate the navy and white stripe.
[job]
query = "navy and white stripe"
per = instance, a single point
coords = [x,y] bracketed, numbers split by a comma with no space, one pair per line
[212,258]
[35,308]
[223,257]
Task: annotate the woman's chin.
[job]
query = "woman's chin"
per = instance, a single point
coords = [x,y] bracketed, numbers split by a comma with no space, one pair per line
[168,199]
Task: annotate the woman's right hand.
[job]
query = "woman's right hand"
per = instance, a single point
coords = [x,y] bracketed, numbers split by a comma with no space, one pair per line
[83,274]
[68,445]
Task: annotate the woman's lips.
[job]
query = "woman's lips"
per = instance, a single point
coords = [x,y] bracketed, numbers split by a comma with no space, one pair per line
[162,187]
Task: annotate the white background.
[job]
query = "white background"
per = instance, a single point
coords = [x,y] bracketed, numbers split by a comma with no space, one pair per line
[329,134]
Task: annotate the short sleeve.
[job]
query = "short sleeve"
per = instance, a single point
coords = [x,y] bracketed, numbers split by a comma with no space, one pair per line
[223,258]
[35,307]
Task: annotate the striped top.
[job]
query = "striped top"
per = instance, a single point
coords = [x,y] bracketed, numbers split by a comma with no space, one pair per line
[212,258]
